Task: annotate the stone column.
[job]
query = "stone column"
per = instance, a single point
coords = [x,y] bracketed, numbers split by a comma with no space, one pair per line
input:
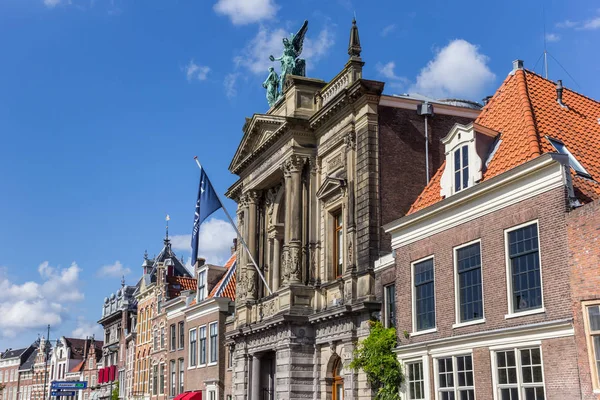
[287,176]
[276,261]
[294,166]
[251,273]
[255,379]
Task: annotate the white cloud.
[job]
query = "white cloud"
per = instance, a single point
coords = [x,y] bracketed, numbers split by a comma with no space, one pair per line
[567,24]
[214,243]
[52,3]
[457,70]
[230,84]
[388,29]
[34,304]
[243,12]
[592,24]
[113,270]
[86,329]
[194,71]
[255,56]
[552,37]
[388,71]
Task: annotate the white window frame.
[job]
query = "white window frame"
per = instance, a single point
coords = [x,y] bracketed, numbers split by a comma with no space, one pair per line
[190,366]
[413,296]
[209,345]
[212,388]
[461,148]
[162,382]
[594,371]
[516,348]
[424,359]
[205,346]
[458,323]
[509,289]
[454,373]
[573,162]
[386,321]
[202,291]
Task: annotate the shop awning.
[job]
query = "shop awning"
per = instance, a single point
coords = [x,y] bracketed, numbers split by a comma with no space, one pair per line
[189,396]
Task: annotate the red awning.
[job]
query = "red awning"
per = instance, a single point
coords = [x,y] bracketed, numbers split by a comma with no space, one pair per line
[180,396]
[193,396]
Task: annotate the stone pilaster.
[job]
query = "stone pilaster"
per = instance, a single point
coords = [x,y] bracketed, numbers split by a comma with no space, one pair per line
[293,251]
[253,197]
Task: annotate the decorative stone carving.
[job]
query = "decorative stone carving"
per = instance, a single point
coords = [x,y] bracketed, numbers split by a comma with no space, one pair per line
[253,196]
[270,199]
[350,252]
[285,265]
[295,258]
[293,164]
[350,139]
[251,282]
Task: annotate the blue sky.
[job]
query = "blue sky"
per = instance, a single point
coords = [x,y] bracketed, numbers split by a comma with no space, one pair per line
[104,103]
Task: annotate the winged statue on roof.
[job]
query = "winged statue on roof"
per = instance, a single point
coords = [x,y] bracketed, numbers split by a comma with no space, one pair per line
[291,64]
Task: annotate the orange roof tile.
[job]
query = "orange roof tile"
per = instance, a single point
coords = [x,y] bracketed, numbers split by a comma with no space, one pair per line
[78,367]
[226,286]
[524,110]
[177,284]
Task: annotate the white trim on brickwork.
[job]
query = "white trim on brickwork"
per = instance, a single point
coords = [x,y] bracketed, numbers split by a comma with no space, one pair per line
[499,337]
[527,180]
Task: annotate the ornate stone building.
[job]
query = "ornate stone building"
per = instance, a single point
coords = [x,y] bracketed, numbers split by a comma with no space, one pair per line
[319,174]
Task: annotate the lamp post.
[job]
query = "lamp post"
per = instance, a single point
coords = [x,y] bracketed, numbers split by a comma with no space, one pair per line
[46,362]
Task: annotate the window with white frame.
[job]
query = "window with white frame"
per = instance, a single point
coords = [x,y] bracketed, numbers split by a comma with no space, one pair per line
[162,337]
[162,378]
[201,285]
[461,168]
[424,300]
[202,334]
[172,337]
[155,341]
[155,380]
[455,378]
[181,335]
[415,380]
[213,342]
[519,374]
[591,315]
[173,375]
[524,268]
[181,372]
[193,348]
[390,305]
[212,395]
[468,279]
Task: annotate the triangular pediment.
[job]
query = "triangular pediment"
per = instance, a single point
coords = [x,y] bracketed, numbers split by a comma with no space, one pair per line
[331,187]
[258,131]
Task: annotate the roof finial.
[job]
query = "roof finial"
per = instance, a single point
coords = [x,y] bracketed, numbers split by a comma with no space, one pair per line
[167,218]
[354,48]
[123,281]
[145,254]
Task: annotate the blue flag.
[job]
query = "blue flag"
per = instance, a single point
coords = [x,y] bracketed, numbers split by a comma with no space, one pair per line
[207,203]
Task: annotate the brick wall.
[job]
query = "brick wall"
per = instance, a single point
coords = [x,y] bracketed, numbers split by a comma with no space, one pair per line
[561,375]
[402,158]
[549,208]
[584,255]
[175,355]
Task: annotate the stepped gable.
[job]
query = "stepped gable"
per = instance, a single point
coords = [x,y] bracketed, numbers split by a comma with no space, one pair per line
[524,110]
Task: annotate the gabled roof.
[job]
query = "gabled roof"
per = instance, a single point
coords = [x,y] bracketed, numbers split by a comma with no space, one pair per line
[525,112]
[13,353]
[226,286]
[28,364]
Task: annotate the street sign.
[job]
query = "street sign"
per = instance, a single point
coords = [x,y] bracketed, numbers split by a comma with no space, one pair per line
[62,393]
[69,385]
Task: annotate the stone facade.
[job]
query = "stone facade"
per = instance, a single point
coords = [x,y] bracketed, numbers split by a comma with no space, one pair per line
[317,177]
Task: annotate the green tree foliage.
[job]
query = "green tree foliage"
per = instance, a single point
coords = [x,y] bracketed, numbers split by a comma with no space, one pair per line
[115,392]
[375,357]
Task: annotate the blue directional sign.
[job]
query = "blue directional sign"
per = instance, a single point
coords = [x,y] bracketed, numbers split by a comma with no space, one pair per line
[69,385]
[62,393]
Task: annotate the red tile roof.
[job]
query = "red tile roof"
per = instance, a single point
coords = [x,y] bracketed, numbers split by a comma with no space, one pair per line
[226,286]
[177,284]
[524,110]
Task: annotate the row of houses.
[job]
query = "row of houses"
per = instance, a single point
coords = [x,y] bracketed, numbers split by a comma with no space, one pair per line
[472,229]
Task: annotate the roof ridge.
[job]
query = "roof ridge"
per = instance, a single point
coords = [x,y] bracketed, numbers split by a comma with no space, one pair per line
[564,87]
[530,126]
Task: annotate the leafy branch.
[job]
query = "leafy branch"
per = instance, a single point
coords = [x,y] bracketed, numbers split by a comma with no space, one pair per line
[376,358]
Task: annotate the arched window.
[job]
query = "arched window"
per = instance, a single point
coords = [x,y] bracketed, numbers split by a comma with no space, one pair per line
[338,380]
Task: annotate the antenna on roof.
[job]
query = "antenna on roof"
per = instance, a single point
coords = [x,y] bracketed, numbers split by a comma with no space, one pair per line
[545,51]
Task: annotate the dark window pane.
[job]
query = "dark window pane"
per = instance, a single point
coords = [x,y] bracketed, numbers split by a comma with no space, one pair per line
[527,375]
[469,271]
[539,392]
[525,357]
[594,316]
[512,375]
[502,376]
[505,394]
[535,356]
[424,296]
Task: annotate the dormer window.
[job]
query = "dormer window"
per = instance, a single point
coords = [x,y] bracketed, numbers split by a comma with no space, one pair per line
[201,285]
[466,148]
[561,148]
[461,168]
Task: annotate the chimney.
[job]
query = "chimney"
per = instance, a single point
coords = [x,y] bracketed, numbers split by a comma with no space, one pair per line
[559,93]
[486,99]
[517,65]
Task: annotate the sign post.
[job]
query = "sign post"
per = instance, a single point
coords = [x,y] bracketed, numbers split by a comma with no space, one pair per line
[67,388]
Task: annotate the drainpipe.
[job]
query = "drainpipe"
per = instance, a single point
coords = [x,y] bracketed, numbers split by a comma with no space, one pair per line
[426,109]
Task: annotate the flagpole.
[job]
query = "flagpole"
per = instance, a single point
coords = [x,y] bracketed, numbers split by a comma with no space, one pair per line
[239,235]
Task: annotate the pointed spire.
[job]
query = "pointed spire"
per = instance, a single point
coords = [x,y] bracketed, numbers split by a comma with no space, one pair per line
[145,254]
[123,281]
[354,48]
[167,234]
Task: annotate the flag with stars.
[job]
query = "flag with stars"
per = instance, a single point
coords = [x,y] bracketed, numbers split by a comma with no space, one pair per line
[208,202]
